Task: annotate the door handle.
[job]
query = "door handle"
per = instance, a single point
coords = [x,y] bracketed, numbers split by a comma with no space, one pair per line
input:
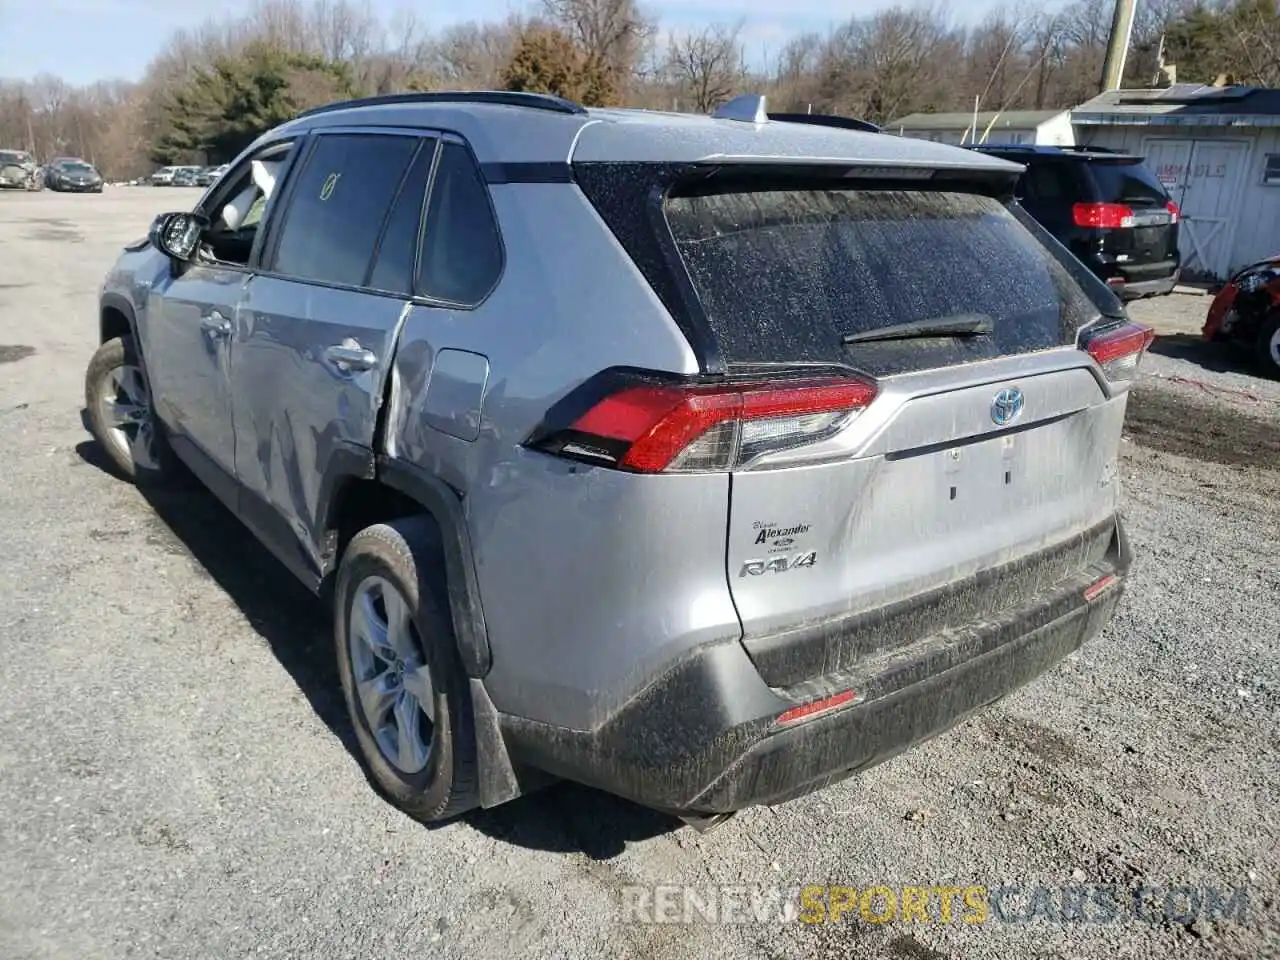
[216,325]
[350,357]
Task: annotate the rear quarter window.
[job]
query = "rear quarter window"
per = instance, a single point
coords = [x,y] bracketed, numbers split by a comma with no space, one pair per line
[462,254]
[785,275]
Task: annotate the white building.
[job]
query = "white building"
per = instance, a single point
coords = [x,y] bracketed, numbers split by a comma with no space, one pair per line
[1217,151]
[1040,127]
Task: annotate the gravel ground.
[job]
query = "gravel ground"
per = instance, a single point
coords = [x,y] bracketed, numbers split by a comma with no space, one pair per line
[175,769]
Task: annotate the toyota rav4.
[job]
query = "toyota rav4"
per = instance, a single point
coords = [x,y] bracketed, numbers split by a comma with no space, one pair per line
[705,460]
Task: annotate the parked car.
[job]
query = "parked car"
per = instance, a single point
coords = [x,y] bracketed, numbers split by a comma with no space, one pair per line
[18,170]
[185,176]
[711,502]
[72,175]
[1107,208]
[1246,311]
[208,175]
[163,177]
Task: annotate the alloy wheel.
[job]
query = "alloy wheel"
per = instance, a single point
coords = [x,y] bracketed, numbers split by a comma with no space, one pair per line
[392,681]
[126,403]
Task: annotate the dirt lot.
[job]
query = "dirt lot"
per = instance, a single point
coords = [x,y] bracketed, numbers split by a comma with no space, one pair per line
[176,778]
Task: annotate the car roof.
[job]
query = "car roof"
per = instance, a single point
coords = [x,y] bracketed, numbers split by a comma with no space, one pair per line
[531,128]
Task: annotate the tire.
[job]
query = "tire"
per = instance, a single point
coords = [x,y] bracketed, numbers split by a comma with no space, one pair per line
[117,397]
[405,557]
[1267,347]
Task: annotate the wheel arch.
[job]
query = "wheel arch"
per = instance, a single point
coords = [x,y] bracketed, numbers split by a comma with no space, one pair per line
[116,319]
[377,490]
[364,490]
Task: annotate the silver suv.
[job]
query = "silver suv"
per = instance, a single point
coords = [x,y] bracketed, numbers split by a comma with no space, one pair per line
[705,460]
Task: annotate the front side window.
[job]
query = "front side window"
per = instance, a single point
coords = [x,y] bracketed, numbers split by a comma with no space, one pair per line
[236,209]
[338,206]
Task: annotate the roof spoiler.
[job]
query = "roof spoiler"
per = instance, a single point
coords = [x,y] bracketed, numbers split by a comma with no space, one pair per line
[753,108]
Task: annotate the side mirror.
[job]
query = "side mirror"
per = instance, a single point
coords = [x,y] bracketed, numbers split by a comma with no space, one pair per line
[177,234]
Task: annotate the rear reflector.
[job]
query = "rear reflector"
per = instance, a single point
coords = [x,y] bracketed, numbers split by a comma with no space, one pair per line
[1105,216]
[1119,350]
[1096,589]
[808,710]
[649,427]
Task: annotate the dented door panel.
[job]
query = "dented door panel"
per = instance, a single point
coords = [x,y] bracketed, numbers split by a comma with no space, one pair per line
[299,403]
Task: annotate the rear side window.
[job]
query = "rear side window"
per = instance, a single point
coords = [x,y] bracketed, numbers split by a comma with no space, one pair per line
[1128,183]
[462,250]
[1049,183]
[398,251]
[785,275]
[338,206]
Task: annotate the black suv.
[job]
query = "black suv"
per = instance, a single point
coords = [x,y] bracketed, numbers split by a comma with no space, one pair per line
[1107,208]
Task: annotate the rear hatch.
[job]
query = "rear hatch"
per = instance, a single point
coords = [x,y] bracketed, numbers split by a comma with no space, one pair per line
[1138,217]
[981,474]
[895,380]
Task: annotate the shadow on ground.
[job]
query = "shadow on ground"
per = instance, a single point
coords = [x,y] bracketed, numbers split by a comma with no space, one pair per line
[562,817]
[1218,357]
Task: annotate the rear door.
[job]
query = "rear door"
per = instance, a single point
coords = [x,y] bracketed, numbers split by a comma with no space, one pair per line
[979,451]
[317,327]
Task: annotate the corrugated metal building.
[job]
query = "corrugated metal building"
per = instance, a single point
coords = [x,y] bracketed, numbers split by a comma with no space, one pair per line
[1217,150]
[1050,128]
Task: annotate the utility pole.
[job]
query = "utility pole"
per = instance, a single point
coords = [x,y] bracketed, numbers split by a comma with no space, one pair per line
[1118,45]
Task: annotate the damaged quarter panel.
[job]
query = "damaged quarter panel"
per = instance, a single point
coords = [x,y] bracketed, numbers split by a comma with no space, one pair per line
[619,599]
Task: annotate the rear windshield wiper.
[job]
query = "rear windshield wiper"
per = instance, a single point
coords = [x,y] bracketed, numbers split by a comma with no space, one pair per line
[959,325]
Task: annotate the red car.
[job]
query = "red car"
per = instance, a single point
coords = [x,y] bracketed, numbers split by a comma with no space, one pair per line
[1246,310]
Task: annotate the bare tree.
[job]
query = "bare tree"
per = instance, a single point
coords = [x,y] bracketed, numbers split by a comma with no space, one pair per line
[612,33]
[706,67]
[473,54]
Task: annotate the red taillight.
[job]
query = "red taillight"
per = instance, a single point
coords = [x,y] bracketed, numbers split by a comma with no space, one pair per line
[808,710]
[667,428]
[1174,213]
[1105,216]
[1119,350]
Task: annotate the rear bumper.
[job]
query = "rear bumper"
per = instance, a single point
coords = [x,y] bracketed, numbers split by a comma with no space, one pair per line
[1131,280]
[1146,288]
[702,737]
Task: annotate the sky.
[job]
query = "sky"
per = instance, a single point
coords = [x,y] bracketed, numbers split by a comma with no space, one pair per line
[87,40]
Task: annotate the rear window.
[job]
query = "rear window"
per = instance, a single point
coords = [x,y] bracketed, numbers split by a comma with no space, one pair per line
[785,275]
[1128,183]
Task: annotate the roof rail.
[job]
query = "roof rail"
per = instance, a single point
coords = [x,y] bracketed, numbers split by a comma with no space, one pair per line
[748,108]
[505,98]
[827,120]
